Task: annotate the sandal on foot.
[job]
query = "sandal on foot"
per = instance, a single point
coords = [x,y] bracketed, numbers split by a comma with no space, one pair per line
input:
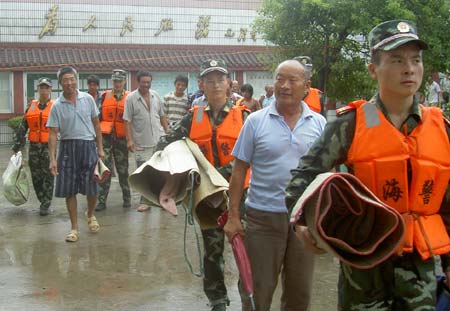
[92,224]
[143,208]
[72,236]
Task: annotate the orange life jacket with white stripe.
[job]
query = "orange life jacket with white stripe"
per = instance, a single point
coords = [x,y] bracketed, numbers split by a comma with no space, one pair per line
[383,158]
[112,114]
[36,120]
[313,99]
[225,135]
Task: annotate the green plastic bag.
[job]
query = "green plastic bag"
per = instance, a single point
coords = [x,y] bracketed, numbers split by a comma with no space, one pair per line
[15,182]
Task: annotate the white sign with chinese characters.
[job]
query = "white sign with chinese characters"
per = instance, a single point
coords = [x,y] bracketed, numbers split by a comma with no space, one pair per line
[111,24]
[259,80]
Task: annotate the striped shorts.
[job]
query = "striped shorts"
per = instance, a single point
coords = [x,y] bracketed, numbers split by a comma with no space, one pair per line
[76,164]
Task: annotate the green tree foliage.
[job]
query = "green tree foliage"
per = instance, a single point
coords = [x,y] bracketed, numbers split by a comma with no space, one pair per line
[14,122]
[333,33]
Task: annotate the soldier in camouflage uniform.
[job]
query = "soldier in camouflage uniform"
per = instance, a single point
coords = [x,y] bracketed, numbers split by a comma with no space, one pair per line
[38,158]
[406,281]
[214,76]
[114,138]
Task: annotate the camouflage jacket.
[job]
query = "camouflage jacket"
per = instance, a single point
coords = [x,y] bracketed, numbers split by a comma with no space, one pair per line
[331,150]
[183,129]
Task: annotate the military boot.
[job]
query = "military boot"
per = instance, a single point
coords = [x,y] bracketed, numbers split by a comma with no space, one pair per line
[44,209]
[126,204]
[219,307]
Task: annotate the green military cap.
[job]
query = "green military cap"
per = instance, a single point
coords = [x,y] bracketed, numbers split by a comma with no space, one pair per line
[392,34]
[119,74]
[211,65]
[305,61]
[45,81]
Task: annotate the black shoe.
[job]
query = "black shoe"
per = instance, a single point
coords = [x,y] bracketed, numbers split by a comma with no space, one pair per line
[44,212]
[219,307]
[44,209]
[126,204]
[100,207]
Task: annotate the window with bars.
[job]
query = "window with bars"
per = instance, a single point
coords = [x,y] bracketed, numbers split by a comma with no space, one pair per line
[6,89]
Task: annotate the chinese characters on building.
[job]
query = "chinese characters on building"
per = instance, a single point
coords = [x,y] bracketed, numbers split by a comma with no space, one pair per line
[242,35]
[229,33]
[90,24]
[253,35]
[165,25]
[51,25]
[202,30]
[127,26]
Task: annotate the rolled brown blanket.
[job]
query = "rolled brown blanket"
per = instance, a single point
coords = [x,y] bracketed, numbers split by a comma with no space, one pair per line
[349,221]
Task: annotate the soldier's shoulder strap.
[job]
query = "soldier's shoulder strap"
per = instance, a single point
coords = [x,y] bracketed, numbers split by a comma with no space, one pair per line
[197,110]
[438,111]
[352,106]
[103,96]
[32,103]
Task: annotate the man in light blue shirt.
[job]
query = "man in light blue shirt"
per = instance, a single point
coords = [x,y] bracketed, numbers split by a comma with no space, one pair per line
[272,142]
[268,98]
[74,116]
[74,121]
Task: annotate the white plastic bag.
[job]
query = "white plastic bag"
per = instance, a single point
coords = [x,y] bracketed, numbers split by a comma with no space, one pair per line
[15,183]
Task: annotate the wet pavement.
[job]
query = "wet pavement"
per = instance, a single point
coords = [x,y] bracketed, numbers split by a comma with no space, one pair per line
[134,263]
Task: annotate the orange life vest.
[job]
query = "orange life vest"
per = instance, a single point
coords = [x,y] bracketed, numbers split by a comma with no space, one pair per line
[313,99]
[382,157]
[225,135]
[112,114]
[36,120]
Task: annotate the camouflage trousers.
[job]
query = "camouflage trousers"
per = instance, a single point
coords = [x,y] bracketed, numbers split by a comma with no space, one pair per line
[117,148]
[213,262]
[403,283]
[213,282]
[43,181]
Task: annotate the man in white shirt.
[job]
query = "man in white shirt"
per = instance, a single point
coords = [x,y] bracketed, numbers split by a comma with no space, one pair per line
[145,122]
[434,91]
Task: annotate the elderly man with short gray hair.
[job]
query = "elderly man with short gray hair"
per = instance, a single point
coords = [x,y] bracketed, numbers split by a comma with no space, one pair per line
[271,143]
